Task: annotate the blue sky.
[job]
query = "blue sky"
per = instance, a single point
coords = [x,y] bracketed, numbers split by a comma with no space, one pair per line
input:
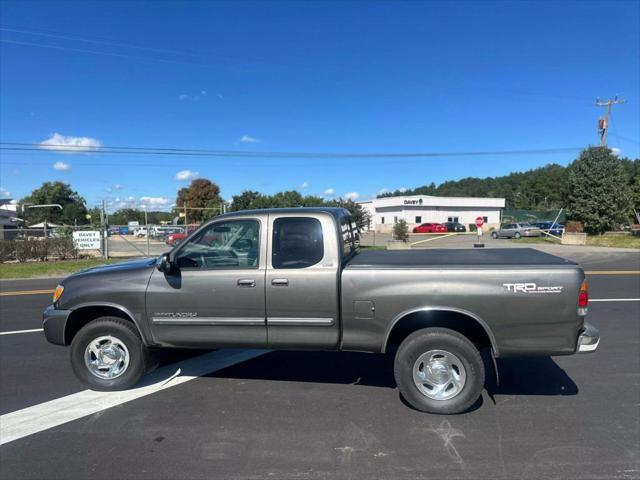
[307,77]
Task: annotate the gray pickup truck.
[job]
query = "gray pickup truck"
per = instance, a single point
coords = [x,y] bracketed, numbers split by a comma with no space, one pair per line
[296,279]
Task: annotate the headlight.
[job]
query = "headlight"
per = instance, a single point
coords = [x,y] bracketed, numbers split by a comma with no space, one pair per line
[57,293]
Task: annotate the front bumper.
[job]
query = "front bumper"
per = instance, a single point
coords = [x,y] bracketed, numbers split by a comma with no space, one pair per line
[588,339]
[54,322]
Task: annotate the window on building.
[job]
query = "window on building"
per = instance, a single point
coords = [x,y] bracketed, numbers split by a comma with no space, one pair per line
[297,242]
[418,219]
[381,219]
[453,219]
[486,219]
[395,219]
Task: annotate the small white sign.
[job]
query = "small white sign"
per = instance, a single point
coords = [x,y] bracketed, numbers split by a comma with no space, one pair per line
[87,240]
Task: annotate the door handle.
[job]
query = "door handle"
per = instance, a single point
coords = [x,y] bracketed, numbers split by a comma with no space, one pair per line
[246,282]
[280,282]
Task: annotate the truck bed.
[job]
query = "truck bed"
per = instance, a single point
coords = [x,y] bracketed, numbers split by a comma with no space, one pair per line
[455,258]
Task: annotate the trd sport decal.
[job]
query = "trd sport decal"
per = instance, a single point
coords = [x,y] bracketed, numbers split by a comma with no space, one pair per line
[530,288]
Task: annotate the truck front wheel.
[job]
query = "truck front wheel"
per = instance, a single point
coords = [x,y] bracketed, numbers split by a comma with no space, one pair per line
[108,354]
[438,370]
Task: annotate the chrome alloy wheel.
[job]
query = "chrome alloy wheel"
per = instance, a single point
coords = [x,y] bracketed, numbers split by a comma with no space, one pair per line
[439,374]
[106,357]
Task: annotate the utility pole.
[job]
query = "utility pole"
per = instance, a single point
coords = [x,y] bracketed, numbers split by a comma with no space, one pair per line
[603,121]
[105,231]
[186,224]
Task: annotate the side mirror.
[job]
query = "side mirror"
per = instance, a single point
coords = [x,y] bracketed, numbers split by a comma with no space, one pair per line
[164,263]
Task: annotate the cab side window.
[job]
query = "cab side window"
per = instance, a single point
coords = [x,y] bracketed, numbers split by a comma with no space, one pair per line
[297,242]
[229,244]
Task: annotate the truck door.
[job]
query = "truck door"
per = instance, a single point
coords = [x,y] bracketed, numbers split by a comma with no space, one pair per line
[215,296]
[302,282]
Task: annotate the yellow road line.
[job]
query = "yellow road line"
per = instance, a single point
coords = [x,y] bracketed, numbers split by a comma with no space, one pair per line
[25,292]
[612,272]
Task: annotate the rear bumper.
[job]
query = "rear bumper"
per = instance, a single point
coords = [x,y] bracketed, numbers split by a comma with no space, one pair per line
[588,339]
[54,322]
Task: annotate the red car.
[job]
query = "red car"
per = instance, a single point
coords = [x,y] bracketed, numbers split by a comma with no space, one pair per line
[175,238]
[430,228]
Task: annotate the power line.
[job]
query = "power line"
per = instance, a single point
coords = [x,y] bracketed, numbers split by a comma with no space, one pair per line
[97,52]
[125,150]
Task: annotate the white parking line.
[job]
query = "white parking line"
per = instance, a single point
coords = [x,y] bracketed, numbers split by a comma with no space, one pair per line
[31,420]
[614,299]
[13,332]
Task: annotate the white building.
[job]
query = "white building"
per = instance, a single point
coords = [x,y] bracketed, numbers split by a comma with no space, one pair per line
[417,209]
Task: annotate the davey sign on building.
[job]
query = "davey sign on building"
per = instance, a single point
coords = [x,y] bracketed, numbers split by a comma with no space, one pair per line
[87,240]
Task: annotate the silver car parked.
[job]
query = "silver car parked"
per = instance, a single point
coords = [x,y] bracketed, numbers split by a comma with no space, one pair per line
[516,230]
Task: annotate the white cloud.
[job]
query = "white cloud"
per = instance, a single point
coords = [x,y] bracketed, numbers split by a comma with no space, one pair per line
[154,201]
[402,189]
[183,175]
[118,186]
[352,195]
[62,166]
[4,192]
[382,191]
[616,151]
[304,185]
[70,144]
[183,96]
[329,192]
[249,139]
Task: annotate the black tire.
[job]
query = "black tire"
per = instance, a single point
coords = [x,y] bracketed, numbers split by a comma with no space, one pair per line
[427,339]
[127,333]
[517,235]
[494,235]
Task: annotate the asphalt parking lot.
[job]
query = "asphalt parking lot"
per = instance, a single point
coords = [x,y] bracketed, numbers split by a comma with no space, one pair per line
[326,414]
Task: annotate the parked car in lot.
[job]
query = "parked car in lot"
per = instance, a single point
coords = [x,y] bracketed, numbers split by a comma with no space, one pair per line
[140,232]
[550,227]
[161,232]
[455,227]
[430,228]
[295,279]
[516,230]
[123,230]
[175,238]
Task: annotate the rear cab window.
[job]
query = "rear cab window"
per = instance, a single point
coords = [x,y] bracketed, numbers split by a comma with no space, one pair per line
[297,242]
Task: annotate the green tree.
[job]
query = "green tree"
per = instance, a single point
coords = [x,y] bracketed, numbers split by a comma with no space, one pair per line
[358,214]
[73,211]
[202,199]
[401,231]
[599,193]
[245,201]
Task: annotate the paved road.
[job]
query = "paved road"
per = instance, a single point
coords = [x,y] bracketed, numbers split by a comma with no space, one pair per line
[337,415]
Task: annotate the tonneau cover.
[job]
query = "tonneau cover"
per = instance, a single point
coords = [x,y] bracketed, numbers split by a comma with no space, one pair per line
[442,258]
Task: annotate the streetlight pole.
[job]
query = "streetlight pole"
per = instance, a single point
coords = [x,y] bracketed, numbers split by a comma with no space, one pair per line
[44,205]
[146,224]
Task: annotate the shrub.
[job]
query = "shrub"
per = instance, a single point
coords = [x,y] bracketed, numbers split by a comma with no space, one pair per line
[63,248]
[7,250]
[472,227]
[39,249]
[401,231]
[23,250]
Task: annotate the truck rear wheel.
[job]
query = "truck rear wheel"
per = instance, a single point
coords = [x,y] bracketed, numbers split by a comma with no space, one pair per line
[438,370]
[108,354]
